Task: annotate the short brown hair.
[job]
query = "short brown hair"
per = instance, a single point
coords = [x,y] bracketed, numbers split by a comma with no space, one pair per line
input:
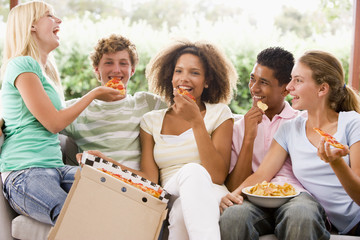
[220,74]
[114,43]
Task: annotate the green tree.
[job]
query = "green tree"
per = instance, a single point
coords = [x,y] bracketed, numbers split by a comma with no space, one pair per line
[151,23]
[292,20]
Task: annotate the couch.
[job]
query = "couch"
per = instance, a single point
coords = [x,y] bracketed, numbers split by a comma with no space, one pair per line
[14,226]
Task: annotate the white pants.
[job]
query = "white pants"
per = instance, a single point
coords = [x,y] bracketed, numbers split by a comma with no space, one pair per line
[195,211]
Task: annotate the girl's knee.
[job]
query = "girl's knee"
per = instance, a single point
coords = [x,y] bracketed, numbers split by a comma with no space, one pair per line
[194,169]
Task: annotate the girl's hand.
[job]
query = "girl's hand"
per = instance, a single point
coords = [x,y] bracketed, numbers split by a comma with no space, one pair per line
[107,94]
[185,107]
[328,154]
[229,200]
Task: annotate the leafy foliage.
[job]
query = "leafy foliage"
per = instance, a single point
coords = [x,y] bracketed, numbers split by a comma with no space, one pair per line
[75,72]
[151,24]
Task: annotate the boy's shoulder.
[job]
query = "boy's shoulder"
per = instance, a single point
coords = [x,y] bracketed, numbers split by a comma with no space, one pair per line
[146,95]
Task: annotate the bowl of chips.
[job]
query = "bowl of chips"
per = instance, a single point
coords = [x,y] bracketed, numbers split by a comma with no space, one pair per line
[270,195]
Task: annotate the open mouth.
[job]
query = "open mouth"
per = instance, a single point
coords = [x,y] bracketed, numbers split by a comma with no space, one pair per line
[257,98]
[56,31]
[189,89]
[111,77]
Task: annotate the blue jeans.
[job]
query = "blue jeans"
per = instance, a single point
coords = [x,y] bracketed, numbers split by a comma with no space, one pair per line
[39,193]
[300,218]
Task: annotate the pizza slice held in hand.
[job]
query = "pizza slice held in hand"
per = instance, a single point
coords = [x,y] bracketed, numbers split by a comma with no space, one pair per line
[329,139]
[183,91]
[116,84]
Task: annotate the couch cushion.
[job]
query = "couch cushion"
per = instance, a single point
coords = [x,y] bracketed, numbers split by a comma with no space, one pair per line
[24,227]
[6,215]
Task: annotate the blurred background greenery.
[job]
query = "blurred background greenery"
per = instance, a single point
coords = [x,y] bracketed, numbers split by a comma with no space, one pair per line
[242,28]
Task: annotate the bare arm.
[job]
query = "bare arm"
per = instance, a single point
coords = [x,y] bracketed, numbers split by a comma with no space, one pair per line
[348,176]
[243,166]
[40,105]
[214,150]
[273,161]
[148,165]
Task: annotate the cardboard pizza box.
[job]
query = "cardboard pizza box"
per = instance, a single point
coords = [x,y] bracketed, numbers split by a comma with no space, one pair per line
[125,175]
[100,206]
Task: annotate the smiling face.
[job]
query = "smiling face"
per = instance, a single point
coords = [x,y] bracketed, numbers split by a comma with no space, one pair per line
[302,88]
[189,74]
[117,65]
[265,87]
[45,31]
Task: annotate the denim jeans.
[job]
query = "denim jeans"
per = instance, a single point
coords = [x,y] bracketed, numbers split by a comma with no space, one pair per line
[39,192]
[301,217]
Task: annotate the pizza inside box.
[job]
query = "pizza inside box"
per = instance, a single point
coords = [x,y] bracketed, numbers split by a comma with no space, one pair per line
[106,202]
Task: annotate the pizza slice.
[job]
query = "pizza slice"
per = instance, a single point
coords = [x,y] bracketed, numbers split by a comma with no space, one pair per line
[116,84]
[153,192]
[329,139]
[183,91]
[262,106]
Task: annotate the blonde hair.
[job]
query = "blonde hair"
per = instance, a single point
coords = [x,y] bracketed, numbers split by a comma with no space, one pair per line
[220,73]
[19,41]
[326,68]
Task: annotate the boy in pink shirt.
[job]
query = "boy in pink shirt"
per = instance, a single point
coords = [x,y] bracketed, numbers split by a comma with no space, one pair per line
[300,218]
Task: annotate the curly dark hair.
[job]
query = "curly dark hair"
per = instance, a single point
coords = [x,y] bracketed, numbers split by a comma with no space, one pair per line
[220,74]
[114,43]
[279,60]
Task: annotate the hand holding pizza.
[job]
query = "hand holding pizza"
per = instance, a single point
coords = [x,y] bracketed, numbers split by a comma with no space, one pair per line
[117,84]
[328,154]
[185,107]
[184,92]
[106,94]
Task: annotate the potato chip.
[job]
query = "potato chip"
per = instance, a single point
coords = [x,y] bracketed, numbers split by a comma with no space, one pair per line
[262,106]
[272,189]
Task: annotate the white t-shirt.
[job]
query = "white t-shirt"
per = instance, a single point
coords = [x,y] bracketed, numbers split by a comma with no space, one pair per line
[170,156]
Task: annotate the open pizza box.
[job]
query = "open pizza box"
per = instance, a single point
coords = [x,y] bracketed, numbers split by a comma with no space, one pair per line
[100,206]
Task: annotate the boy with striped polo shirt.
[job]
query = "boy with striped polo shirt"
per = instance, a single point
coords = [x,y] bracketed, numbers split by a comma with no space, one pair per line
[113,127]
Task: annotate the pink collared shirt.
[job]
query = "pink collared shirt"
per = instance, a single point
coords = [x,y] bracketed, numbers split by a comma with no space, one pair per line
[265,133]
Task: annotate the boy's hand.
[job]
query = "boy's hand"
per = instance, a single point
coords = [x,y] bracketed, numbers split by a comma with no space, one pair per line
[252,119]
[93,152]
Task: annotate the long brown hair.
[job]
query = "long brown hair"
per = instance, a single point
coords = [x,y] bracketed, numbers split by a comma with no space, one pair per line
[326,68]
[220,74]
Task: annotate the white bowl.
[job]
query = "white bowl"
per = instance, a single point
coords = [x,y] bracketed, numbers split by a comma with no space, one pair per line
[267,201]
